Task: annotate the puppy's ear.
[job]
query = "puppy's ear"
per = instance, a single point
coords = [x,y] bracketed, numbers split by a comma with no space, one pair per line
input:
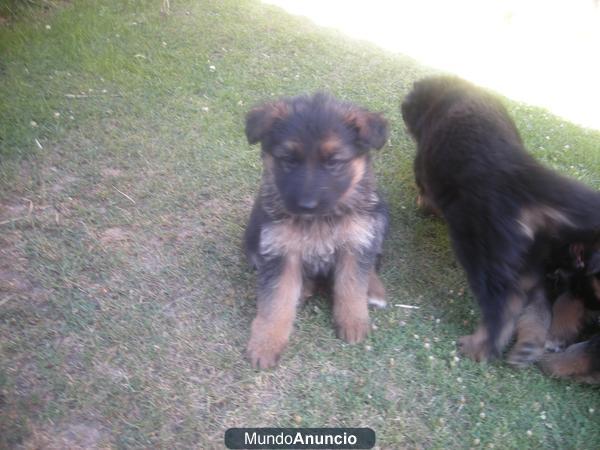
[409,113]
[577,250]
[593,264]
[371,128]
[260,120]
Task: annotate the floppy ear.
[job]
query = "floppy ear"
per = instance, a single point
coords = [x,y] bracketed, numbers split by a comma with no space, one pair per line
[593,264]
[260,120]
[371,128]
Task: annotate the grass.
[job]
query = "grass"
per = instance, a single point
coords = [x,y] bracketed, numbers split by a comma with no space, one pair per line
[125,302]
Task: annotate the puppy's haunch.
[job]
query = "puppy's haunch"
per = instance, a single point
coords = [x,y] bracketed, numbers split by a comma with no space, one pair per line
[317,216]
[505,211]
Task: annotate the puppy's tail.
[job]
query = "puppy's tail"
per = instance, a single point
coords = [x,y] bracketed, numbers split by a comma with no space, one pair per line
[568,210]
[583,212]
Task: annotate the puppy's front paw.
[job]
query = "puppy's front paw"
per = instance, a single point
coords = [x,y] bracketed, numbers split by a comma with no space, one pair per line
[353,330]
[525,353]
[555,345]
[475,347]
[265,345]
[262,356]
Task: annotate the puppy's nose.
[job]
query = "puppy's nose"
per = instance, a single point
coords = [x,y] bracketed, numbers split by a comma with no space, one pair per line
[308,204]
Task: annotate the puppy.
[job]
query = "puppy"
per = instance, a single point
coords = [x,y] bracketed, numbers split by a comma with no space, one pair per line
[505,211]
[574,311]
[318,216]
[575,285]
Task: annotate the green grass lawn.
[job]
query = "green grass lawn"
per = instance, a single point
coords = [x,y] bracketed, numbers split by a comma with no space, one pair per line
[125,301]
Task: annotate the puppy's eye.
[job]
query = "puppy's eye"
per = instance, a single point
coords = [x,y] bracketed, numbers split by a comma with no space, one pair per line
[289,161]
[332,164]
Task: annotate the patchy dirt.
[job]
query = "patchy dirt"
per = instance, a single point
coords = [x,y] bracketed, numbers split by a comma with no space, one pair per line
[13,266]
[13,211]
[111,172]
[25,211]
[62,181]
[145,249]
[114,235]
[151,256]
[74,436]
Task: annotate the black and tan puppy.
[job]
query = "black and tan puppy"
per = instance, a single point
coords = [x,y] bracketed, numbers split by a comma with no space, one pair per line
[504,210]
[574,314]
[317,216]
[574,288]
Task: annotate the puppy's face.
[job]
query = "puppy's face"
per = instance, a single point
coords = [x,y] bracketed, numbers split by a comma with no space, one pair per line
[316,148]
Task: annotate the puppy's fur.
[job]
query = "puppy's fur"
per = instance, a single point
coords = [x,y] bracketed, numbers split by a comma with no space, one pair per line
[576,310]
[317,216]
[580,362]
[504,210]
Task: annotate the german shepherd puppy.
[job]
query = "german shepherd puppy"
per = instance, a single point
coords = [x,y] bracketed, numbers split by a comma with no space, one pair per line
[575,286]
[575,310]
[318,216]
[505,211]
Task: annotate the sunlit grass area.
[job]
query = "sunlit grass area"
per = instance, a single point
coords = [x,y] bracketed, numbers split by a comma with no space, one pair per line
[125,302]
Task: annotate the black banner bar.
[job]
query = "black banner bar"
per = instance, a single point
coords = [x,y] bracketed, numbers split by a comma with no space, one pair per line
[299,438]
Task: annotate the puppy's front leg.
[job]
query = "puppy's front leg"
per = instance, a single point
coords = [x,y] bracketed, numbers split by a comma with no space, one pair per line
[350,306]
[279,289]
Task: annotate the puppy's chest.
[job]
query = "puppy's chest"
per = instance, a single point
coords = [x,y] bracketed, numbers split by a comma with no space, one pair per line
[317,241]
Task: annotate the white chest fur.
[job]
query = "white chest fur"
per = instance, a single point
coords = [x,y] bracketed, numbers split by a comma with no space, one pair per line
[318,239]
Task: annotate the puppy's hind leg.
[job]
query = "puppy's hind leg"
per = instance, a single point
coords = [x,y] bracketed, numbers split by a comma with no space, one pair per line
[496,329]
[501,301]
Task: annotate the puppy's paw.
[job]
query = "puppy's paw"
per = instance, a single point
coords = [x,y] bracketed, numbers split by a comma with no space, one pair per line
[376,292]
[555,345]
[420,201]
[525,353]
[265,346]
[353,330]
[308,290]
[264,355]
[474,347]
[377,303]
[426,207]
[553,364]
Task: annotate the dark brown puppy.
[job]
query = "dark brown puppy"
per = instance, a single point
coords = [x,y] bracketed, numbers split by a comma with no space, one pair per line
[576,310]
[505,211]
[317,216]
